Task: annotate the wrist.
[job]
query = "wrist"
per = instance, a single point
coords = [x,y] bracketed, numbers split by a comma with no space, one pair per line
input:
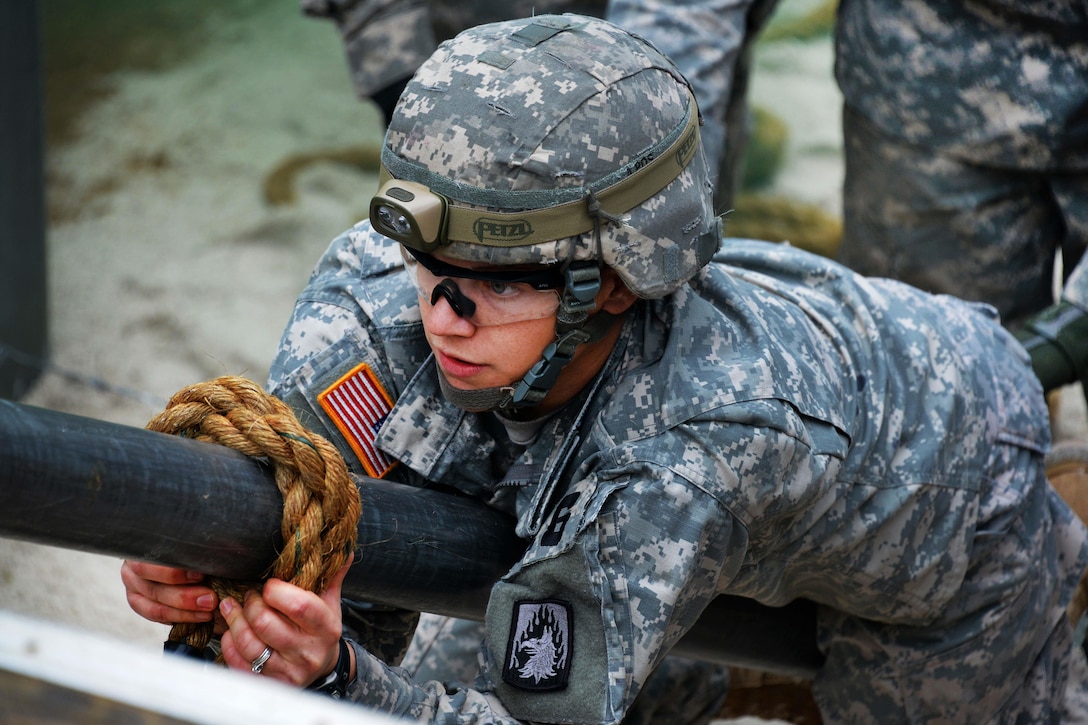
[335,684]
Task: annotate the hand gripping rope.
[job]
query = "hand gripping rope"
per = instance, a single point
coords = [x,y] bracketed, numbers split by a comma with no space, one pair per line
[321,505]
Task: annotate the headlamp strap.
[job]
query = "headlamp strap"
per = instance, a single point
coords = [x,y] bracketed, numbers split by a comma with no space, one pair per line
[545,214]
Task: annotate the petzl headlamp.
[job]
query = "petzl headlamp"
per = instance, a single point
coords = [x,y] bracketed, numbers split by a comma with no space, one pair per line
[420,214]
[410,213]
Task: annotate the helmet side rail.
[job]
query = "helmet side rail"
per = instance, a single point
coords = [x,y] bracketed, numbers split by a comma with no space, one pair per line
[100,487]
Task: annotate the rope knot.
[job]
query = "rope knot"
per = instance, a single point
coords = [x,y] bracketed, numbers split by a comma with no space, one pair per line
[321,505]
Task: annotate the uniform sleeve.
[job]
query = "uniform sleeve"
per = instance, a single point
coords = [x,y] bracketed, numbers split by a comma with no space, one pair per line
[346,298]
[386,631]
[391,690]
[620,572]
[572,638]
[315,326]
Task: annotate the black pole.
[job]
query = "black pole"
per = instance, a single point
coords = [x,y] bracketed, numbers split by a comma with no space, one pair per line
[23,330]
[95,486]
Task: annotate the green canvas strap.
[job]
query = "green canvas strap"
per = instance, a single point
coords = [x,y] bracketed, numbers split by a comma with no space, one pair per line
[578,214]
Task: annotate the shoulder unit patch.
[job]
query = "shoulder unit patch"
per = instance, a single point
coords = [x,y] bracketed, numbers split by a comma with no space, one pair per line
[538,655]
[358,405]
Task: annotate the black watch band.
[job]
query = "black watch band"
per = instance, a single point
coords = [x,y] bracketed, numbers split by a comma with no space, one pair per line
[335,684]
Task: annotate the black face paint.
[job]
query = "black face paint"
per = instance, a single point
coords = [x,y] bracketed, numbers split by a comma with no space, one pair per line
[462,306]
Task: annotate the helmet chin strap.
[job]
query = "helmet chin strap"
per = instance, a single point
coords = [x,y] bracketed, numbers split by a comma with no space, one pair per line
[573,327]
[475,401]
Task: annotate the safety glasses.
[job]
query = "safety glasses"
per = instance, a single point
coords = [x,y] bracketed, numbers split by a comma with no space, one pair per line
[485,297]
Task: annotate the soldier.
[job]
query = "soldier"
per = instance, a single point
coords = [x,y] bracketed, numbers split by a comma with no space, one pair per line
[966,159]
[537,314]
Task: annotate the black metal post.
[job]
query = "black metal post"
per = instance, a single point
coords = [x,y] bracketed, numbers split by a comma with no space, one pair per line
[23,329]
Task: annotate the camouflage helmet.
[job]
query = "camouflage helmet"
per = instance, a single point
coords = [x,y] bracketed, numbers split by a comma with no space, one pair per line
[551,140]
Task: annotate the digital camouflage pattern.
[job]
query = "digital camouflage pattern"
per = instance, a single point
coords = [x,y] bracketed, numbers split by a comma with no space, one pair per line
[1000,83]
[980,233]
[680,691]
[548,121]
[709,40]
[781,428]
[387,40]
[965,144]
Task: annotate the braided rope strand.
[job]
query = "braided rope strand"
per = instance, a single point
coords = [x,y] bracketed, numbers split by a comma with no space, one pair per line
[321,505]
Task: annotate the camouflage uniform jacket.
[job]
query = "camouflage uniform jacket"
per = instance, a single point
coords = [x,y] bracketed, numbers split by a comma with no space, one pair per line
[1002,83]
[779,429]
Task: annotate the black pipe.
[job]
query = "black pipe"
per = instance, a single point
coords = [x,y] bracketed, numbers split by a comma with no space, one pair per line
[118,490]
[95,486]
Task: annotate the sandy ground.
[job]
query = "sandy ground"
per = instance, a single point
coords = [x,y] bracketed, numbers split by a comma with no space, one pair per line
[167,267]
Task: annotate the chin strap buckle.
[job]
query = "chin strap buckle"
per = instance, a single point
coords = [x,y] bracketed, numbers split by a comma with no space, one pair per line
[581,283]
[542,376]
[539,380]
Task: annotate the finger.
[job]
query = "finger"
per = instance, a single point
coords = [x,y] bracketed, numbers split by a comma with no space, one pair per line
[309,613]
[162,574]
[166,603]
[306,613]
[331,595]
[299,626]
[237,659]
[240,645]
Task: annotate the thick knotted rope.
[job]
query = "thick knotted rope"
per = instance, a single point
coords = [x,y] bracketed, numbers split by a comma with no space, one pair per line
[320,502]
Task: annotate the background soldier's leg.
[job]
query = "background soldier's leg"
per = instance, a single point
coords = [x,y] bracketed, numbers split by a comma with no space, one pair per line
[945,226]
[681,691]
[444,649]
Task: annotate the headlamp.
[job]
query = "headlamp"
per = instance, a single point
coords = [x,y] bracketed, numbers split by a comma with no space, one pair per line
[409,213]
[422,217]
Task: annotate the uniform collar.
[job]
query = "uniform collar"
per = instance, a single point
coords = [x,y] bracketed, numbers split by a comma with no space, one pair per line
[445,444]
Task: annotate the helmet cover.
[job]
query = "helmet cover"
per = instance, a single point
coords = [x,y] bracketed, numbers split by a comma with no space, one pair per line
[533,113]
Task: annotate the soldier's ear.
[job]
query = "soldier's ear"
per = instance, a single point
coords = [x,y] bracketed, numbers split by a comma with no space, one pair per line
[614,296]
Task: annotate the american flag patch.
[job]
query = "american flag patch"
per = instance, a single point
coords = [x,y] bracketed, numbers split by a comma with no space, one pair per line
[358,405]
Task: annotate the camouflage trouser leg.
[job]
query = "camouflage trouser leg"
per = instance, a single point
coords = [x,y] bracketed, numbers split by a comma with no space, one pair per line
[1002,651]
[444,649]
[680,692]
[711,43]
[932,221]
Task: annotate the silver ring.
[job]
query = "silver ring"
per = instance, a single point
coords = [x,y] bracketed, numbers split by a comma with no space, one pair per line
[258,664]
